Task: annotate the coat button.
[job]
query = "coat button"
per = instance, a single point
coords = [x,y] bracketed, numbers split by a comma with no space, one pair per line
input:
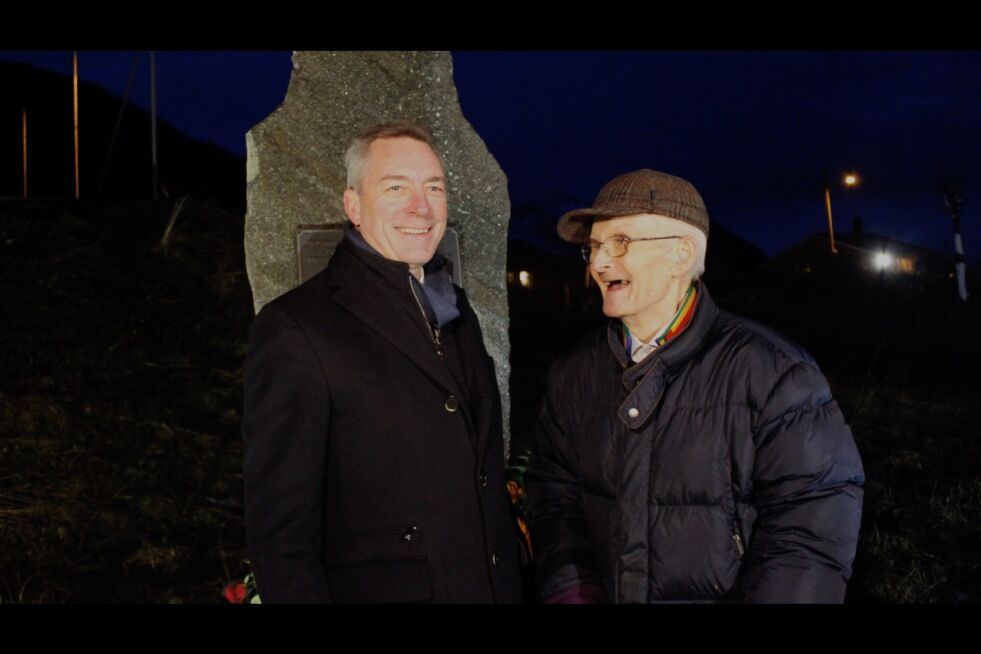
[482,479]
[451,404]
[494,559]
[632,412]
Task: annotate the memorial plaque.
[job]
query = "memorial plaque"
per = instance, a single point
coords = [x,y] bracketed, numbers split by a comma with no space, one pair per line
[314,247]
[449,247]
[315,244]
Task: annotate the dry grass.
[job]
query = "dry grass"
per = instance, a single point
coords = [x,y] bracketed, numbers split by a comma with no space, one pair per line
[120,458]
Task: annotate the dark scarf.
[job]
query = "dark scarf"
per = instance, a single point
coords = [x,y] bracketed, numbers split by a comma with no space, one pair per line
[438,297]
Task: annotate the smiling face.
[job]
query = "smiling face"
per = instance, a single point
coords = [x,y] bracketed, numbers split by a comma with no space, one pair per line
[644,286]
[399,205]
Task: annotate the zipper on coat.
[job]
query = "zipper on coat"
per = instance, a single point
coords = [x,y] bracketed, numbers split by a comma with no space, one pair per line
[739,544]
[734,517]
[433,331]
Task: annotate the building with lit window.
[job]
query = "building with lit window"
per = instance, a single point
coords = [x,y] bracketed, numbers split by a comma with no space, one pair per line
[865,252]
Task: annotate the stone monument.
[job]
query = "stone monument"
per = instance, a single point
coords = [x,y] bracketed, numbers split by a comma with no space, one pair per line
[296,177]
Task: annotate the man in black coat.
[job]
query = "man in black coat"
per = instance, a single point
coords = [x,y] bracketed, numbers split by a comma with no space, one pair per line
[684,454]
[374,462]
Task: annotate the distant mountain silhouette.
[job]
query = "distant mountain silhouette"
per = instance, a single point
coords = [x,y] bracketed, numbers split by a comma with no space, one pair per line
[186,166]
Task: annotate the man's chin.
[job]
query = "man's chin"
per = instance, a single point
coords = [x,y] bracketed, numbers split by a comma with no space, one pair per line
[419,259]
[612,312]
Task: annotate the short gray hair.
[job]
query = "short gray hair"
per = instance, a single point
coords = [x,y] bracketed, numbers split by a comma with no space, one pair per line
[356,157]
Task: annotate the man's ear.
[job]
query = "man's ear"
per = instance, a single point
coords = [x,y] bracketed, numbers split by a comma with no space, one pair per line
[352,206]
[685,255]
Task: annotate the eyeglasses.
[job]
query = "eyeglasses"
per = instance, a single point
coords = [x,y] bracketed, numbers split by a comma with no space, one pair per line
[615,246]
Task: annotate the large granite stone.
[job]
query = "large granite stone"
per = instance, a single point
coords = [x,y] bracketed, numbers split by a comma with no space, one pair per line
[296,173]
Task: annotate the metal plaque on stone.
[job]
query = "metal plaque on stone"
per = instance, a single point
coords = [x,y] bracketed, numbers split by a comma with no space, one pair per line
[449,247]
[315,244]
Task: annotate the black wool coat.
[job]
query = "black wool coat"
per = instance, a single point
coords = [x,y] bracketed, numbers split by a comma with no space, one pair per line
[374,464]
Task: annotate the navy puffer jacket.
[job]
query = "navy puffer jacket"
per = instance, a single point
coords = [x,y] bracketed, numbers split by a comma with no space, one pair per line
[719,468]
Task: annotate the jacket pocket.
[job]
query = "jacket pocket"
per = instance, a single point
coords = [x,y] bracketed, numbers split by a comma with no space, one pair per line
[737,542]
[401,581]
[730,504]
[406,533]
[381,564]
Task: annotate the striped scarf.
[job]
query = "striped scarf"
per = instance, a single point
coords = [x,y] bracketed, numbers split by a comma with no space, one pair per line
[677,325]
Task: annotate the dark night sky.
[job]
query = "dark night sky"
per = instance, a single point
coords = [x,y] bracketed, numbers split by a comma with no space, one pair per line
[753,131]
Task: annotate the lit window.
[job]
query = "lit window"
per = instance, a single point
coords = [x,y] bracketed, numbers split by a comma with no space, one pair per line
[524,277]
[906,264]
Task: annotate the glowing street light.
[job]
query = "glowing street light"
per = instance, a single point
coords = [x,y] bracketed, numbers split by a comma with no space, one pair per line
[851,179]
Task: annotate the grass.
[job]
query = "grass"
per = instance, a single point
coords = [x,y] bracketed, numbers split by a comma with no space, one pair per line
[120,474]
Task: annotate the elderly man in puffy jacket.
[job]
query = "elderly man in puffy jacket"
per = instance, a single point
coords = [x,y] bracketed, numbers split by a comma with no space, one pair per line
[684,453]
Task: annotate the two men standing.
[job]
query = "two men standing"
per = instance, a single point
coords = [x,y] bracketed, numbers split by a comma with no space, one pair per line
[683,453]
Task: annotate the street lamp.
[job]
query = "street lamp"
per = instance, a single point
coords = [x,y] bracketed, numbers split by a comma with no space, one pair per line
[849,180]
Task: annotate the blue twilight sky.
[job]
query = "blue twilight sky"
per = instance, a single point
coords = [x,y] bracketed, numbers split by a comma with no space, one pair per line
[754,131]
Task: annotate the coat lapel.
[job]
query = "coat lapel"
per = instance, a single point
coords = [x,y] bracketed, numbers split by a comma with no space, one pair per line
[376,300]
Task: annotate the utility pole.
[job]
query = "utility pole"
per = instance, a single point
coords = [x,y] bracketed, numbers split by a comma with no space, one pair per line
[75,109]
[119,120]
[953,201]
[23,130]
[153,123]
[827,205]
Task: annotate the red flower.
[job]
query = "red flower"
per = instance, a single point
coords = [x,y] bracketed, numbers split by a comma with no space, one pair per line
[515,491]
[235,592]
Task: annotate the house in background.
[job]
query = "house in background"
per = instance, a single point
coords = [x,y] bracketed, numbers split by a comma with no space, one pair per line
[862,251]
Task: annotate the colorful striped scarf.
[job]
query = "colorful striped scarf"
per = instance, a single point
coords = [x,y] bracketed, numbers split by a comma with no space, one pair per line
[677,325]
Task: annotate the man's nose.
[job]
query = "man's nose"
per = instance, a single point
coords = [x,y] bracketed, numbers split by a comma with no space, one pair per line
[419,203]
[601,259]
